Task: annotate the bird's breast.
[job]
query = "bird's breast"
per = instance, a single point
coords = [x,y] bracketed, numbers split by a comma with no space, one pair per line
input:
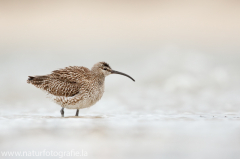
[96,92]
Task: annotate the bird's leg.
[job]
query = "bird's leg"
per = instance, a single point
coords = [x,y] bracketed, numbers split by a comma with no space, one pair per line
[77,112]
[62,112]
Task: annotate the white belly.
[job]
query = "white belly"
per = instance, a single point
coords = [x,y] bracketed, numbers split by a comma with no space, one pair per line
[80,105]
[78,101]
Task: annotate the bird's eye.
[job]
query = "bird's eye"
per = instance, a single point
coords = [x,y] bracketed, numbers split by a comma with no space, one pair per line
[105,68]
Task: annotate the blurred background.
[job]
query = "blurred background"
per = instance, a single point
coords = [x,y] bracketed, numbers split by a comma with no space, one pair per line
[184,56]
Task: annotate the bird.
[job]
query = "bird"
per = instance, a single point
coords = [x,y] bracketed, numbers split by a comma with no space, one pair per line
[75,87]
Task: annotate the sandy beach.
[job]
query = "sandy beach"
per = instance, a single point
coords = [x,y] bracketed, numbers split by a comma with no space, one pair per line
[184,56]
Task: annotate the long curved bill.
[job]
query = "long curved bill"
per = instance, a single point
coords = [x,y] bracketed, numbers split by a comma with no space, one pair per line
[120,73]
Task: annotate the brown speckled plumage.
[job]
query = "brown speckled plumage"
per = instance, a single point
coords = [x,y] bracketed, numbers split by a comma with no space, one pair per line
[75,87]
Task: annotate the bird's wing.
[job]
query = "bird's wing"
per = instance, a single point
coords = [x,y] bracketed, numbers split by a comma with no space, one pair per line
[63,82]
[73,74]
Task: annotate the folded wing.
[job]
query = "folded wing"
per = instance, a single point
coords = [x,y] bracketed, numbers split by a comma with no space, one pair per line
[63,82]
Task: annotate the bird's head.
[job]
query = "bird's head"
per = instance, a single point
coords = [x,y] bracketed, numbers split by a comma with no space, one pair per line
[107,70]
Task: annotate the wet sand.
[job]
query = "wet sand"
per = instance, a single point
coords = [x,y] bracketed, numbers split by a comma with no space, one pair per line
[127,135]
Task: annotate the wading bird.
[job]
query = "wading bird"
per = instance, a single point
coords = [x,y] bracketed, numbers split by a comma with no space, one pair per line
[75,87]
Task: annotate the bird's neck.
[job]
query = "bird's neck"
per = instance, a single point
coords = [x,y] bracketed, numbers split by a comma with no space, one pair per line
[98,76]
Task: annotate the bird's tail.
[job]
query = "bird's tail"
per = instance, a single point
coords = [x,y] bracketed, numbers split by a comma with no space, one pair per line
[37,80]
